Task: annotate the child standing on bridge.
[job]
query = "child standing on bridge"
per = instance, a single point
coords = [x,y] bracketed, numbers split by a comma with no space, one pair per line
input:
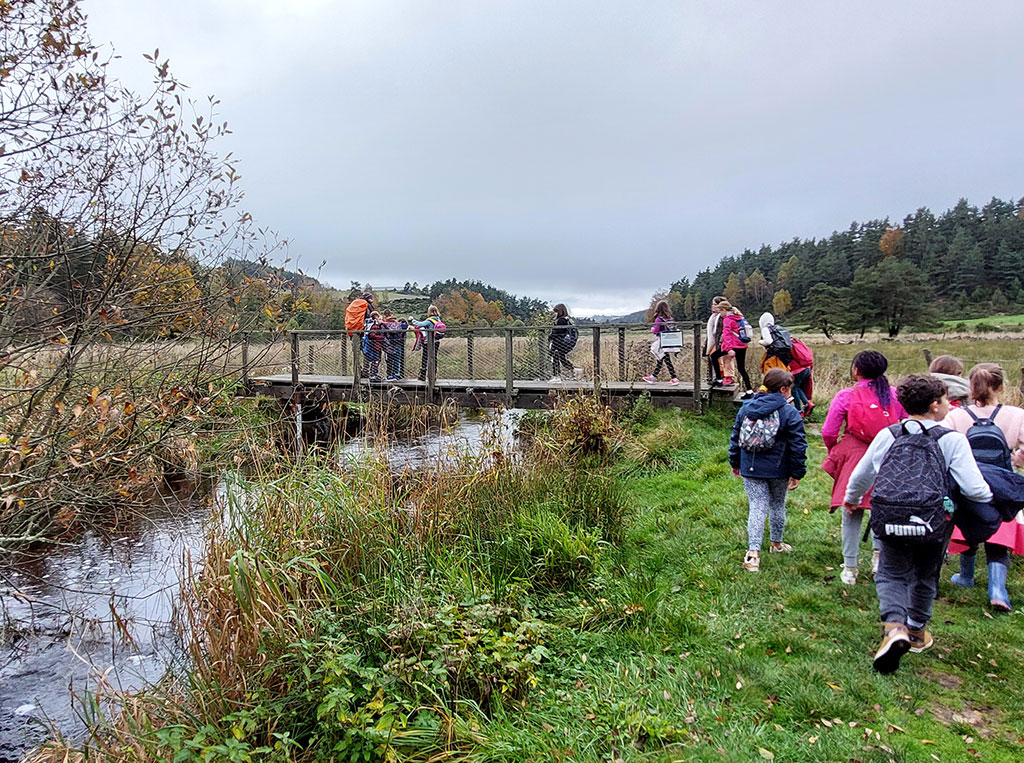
[768,449]
[912,463]
[436,331]
[662,324]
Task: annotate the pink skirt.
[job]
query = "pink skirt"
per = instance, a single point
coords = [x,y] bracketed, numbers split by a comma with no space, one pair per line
[839,465]
[1009,534]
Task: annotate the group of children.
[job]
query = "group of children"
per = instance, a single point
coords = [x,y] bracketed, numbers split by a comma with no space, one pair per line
[384,337]
[933,459]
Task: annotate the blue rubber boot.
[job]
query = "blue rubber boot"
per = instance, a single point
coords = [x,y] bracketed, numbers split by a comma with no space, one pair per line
[965,577]
[997,595]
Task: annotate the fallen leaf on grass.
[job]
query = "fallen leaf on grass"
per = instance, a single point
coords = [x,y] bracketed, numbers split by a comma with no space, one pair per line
[766,754]
[834,687]
[547,727]
[666,695]
[826,723]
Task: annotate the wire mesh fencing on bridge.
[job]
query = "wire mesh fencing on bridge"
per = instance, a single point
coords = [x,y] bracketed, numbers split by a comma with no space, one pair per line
[519,354]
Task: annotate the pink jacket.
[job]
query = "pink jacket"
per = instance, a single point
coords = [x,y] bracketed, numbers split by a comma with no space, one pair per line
[839,407]
[730,328]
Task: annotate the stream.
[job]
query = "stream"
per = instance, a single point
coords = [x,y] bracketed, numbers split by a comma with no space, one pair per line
[101,608]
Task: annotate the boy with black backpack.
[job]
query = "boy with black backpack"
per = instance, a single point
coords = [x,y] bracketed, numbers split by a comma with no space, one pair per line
[911,465]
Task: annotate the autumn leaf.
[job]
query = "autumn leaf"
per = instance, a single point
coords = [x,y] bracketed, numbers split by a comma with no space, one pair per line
[766,754]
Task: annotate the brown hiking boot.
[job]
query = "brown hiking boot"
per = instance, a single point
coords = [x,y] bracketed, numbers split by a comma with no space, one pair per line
[895,644]
[920,639]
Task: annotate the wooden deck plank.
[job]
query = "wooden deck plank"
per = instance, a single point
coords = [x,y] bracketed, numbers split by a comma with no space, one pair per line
[497,385]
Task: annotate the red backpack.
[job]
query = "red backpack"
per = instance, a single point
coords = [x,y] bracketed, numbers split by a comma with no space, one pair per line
[802,354]
[866,417]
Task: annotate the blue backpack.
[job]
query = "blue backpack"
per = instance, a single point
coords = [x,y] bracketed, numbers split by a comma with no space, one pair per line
[987,441]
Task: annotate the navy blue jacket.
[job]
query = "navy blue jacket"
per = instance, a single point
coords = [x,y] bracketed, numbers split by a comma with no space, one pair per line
[979,521]
[788,457]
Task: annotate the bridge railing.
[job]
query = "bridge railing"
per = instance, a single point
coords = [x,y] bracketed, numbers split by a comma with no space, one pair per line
[602,354]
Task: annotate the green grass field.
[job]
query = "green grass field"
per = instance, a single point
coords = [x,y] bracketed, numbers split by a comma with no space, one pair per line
[715,663]
[994,320]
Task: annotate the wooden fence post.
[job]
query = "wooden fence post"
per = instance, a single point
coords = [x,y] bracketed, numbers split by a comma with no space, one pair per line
[294,358]
[508,365]
[622,354]
[597,360]
[431,350]
[344,354]
[245,361]
[540,354]
[698,352]
[469,354]
[927,356]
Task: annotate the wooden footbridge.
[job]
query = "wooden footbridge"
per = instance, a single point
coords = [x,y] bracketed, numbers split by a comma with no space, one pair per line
[475,368]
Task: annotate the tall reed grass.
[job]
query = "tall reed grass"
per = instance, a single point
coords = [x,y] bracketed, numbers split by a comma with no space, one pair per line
[366,614]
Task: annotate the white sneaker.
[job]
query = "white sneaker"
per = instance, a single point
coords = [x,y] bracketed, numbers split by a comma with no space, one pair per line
[874,562]
[848,575]
[577,373]
[555,379]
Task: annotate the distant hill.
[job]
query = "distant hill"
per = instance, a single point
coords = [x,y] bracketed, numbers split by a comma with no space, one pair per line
[637,317]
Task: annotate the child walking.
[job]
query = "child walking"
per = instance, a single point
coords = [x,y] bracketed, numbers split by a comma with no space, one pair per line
[986,380]
[560,343]
[735,338]
[861,412]
[662,322]
[768,449]
[908,465]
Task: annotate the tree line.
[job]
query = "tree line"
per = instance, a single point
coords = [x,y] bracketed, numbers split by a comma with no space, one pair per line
[964,263]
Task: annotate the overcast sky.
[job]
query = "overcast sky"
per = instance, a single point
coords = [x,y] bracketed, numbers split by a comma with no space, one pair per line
[588,152]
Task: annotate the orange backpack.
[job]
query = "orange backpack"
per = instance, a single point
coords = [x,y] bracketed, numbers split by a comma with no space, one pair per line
[355,315]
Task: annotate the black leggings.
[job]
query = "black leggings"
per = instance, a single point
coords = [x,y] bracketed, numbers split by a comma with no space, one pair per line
[665,360]
[559,359]
[741,366]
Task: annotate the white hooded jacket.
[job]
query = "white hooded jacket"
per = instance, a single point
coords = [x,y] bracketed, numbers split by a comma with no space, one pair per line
[766,322]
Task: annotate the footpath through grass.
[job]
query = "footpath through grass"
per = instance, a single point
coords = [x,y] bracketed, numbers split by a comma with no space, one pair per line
[709,662]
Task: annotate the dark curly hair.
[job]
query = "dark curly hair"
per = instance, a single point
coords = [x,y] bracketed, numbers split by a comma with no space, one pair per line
[917,393]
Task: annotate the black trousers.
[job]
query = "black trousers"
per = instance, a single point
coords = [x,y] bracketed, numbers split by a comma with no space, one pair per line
[666,361]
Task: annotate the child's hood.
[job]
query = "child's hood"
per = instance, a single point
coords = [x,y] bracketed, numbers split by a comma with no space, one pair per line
[763,405]
[958,387]
[767,319]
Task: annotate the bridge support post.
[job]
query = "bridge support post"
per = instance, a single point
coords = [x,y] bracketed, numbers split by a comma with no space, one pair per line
[357,366]
[344,354]
[296,392]
[508,367]
[622,354]
[698,353]
[597,360]
[431,350]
